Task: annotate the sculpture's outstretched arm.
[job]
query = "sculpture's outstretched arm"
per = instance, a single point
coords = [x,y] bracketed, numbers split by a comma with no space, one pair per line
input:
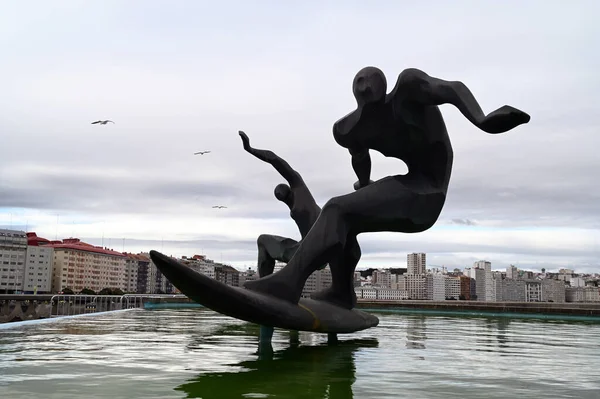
[427,90]
[280,165]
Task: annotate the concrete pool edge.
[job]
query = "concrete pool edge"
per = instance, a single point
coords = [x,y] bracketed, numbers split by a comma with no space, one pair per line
[22,323]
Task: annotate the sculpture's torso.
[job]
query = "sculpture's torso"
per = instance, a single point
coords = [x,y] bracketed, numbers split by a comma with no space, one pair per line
[304,210]
[414,134]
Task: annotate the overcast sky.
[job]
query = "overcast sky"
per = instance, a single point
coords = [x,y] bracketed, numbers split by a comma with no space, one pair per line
[185,76]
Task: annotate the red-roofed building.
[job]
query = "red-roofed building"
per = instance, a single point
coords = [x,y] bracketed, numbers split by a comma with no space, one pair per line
[79,265]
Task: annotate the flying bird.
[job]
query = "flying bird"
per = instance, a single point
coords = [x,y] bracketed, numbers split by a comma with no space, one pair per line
[201,152]
[102,122]
[219,206]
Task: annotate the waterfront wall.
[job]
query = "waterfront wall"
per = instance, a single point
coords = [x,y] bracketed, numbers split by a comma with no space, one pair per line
[32,307]
[550,308]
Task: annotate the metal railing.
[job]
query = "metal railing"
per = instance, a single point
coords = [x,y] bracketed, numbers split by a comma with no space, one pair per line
[70,305]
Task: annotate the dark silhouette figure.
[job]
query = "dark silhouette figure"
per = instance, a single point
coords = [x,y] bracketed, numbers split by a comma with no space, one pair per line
[304,211]
[405,124]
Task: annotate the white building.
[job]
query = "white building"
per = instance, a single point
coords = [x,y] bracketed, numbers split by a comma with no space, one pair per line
[13,249]
[577,282]
[382,278]
[483,264]
[582,294]
[398,282]
[533,291]
[469,272]
[200,264]
[435,287]
[415,285]
[416,263]
[384,294]
[39,264]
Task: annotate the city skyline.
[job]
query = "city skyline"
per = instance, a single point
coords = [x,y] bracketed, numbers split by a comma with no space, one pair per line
[187,79]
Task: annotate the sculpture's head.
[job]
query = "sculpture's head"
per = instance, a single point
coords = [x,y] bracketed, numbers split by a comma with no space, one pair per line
[369,86]
[283,193]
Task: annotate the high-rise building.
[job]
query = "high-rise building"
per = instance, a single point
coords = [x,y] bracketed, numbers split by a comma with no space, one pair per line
[416,263]
[414,279]
[512,272]
[483,264]
[485,282]
[13,250]
[38,266]
[480,284]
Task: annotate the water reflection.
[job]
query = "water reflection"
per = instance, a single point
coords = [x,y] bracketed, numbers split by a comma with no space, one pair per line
[415,333]
[502,336]
[323,371]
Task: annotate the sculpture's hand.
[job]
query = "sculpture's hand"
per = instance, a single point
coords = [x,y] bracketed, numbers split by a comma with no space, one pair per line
[245,140]
[504,119]
[358,186]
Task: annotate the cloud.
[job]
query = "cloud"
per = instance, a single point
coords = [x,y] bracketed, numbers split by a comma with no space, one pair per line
[464,222]
[182,79]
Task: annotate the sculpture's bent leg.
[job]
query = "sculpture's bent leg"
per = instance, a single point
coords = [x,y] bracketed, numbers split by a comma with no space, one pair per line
[272,248]
[341,291]
[386,205]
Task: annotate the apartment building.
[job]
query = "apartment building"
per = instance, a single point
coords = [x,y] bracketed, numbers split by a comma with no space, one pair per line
[38,265]
[13,251]
[78,265]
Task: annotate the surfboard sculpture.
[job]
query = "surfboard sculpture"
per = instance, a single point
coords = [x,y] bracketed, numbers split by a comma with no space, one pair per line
[306,315]
[405,124]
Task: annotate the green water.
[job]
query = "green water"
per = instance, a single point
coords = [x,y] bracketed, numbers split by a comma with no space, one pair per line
[196,353]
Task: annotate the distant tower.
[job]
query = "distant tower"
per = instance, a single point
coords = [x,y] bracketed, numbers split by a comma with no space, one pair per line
[483,264]
[416,263]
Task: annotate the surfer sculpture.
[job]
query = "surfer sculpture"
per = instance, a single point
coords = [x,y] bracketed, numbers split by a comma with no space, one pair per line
[304,211]
[405,124]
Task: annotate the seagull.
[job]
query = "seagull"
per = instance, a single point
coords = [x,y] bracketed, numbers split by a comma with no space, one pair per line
[102,122]
[219,206]
[201,152]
